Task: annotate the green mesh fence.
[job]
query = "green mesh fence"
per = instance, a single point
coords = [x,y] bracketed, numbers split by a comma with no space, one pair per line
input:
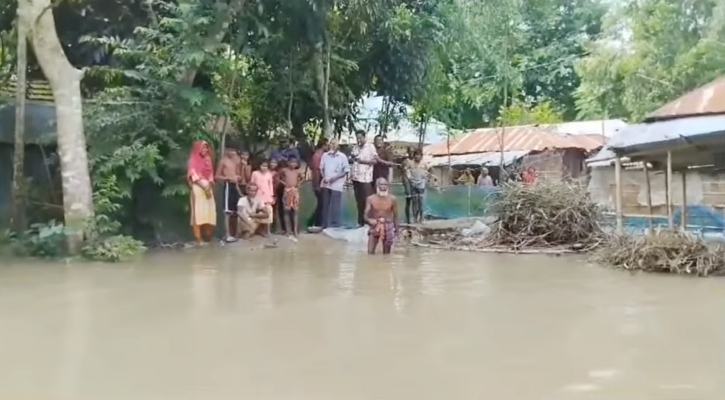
[446,203]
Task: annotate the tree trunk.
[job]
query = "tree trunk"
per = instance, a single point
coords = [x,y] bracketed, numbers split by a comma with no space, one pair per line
[19,152]
[322,77]
[65,81]
[387,106]
[421,131]
[505,105]
[225,14]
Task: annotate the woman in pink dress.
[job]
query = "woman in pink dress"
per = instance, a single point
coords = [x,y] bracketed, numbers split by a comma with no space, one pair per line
[264,178]
[200,177]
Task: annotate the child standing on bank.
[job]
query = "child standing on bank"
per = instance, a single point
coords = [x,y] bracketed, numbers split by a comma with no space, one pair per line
[275,166]
[290,178]
[245,172]
[264,180]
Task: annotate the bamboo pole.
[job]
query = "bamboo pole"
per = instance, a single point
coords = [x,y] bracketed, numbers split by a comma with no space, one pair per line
[618,201]
[469,199]
[649,197]
[19,197]
[448,149]
[223,140]
[668,181]
[684,200]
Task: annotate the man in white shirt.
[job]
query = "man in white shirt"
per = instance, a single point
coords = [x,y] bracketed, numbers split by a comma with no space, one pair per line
[484,179]
[364,157]
[255,217]
[334,167]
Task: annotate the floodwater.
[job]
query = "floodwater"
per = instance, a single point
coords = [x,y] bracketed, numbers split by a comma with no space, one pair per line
[325,321]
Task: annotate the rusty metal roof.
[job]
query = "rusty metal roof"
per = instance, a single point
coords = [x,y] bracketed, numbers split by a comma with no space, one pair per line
[708,99]
[516,138]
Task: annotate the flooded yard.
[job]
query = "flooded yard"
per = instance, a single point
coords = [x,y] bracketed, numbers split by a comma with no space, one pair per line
[323,320]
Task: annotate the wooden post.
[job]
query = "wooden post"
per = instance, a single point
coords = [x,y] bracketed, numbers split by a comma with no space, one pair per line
[618,201]
[668,181]
[19,197]
[684,200]
[648,187]
[448,150]
[469,199]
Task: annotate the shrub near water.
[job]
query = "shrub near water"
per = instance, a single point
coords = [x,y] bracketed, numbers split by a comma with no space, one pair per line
[545,214]
[664,251]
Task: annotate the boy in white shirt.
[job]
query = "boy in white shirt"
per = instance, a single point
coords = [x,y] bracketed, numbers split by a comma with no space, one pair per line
[255,217]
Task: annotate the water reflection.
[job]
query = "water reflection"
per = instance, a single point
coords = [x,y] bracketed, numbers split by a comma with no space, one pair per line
[346,270]
[336,323]
[76,335]
[398,289]
[203,284]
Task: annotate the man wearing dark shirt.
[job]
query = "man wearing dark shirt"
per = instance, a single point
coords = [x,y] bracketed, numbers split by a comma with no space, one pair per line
[382,170]
[285,151]
[316,177]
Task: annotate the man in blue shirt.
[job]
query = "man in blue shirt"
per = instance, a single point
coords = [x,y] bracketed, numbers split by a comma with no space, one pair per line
[285,151]
[334,167]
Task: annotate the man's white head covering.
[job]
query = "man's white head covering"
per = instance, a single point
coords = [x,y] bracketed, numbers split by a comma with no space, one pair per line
[379,182]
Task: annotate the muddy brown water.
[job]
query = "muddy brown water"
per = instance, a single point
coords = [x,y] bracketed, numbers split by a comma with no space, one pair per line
[323,320]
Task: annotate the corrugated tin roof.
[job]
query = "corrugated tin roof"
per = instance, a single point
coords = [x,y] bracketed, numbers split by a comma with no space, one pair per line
[708,99]
[371,108]
[517,138]
[606,127]
[405,132]
[640,137]
[603,158]
[659,135]
[477,159]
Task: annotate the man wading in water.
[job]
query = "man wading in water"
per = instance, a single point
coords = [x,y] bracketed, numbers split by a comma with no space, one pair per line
[381,213]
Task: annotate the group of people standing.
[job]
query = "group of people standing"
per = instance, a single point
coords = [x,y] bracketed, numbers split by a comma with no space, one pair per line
[251,197]
[367,164]
[484,180]
[255,199]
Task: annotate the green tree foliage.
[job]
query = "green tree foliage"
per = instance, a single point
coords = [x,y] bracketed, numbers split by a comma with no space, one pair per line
[652,51]
[520,113]
[270,73]
[141,125]
[513,49]
[165,72]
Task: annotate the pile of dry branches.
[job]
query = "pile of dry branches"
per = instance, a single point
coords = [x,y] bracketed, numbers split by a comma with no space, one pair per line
[546,214]
[664,251]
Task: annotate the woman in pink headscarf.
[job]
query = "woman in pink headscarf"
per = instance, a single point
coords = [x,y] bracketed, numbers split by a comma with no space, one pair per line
[200,176]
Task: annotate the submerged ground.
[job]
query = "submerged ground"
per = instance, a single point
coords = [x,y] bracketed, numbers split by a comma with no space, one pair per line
[322,320]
